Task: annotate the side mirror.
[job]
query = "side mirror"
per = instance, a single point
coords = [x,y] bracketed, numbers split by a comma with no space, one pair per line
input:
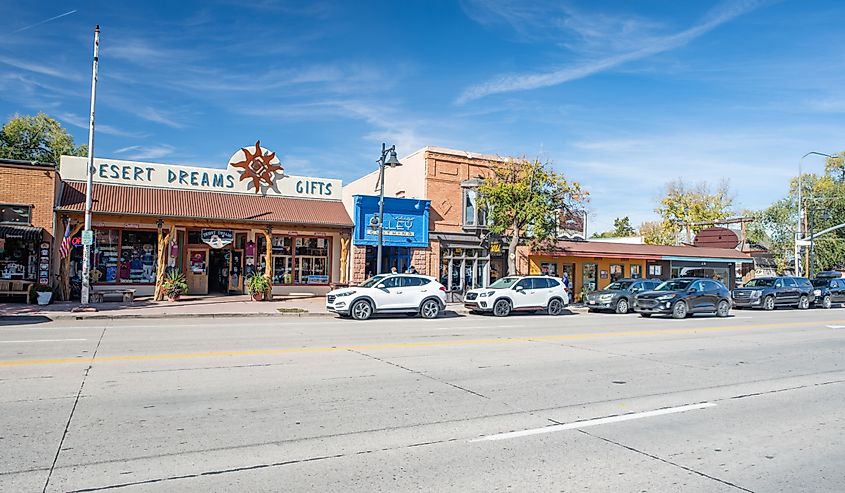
[692,290]
[518,288]
[381,286]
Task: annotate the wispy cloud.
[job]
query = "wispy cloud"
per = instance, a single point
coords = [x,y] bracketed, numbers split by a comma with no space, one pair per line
[45,21]
[80,122]
[36,67]
[146,152]
[523,82]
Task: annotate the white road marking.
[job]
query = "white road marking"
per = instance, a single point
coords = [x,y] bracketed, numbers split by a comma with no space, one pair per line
[594,422]
[42,340]
[836,326]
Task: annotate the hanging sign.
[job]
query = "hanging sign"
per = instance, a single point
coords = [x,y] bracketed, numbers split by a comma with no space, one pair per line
[217,238]
[87,237]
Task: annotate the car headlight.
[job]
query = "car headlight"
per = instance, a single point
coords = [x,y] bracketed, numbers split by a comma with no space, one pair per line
[606,297]
[665,297]
[756,294]
[347,293]
[486,294]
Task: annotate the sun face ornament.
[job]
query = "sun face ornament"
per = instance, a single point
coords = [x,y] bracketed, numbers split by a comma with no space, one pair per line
[259,165]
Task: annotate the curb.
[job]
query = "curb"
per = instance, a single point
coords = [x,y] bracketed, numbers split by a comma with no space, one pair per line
[160,316]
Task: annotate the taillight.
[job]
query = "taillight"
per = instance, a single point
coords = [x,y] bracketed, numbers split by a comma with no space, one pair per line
[443,288]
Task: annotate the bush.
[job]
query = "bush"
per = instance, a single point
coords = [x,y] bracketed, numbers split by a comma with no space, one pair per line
[174,284]
[258,284]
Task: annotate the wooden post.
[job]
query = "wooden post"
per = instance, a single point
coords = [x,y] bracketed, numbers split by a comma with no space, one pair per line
[268,257]
[161,260]
[344,254]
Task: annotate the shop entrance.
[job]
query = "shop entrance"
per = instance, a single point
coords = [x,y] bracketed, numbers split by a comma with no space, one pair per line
[218,270]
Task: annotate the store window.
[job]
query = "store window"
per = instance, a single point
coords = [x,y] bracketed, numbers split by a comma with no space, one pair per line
[106,255]
[655,270]
[589,277]
[15,214]
[474,215]
[636,271]
[464,268]
[617,272]
[137,257]
[548,268]
[282,259]
[311,261]
[18,259]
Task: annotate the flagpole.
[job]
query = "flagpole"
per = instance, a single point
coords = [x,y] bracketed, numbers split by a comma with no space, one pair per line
[89,177]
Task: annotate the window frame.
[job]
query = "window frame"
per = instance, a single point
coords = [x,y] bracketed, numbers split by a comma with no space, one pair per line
[28,208]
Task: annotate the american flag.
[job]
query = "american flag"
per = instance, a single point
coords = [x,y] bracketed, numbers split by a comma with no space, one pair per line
[65,247]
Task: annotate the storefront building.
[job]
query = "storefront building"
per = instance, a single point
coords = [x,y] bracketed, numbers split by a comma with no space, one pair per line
[461,253]
[404,236]
[27,195]
[592,265]
[217,226]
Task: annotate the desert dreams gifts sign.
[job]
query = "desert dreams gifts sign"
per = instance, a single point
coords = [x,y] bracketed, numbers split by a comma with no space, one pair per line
[251,170]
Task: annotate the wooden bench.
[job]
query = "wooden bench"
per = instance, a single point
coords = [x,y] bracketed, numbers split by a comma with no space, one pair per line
[17,288]
[127,295]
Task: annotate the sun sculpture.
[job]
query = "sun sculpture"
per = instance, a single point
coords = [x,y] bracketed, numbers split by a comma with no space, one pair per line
[258,167]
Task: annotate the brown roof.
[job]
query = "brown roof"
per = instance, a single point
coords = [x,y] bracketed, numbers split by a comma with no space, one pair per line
[116,199]
[651,252]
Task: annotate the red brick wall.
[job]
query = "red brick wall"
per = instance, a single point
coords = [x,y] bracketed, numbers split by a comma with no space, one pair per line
[33,186]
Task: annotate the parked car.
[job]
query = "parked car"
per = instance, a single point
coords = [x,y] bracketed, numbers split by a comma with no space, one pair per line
[389,293]
[684,296]
[519,293]
[770,292]
[619,295]
[828,291]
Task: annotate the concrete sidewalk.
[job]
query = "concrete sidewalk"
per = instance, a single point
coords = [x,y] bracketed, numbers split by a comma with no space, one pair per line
[190,306]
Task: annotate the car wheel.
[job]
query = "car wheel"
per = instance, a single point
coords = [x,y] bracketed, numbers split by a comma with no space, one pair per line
[645,315]
[680,310]
[430,309]
[803,303]
[769,303]
[723,309]
[622,306]
[826,302]
[361,310]
[502,308]
[592,310]
[555,307]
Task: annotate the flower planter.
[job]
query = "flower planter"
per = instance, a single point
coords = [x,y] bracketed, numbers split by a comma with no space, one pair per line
[257,296]
[176,297]
[44,297]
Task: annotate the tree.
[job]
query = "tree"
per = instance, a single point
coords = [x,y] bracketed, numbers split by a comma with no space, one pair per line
[37,138]
[658,233]
[621,228]
[525,200]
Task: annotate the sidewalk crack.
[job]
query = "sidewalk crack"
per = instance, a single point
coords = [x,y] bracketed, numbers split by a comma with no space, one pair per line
[417,372]
[675,464]
[73,410]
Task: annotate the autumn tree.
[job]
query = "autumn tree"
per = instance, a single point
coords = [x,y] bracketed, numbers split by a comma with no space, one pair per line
[621,228]
[37,138]
[683,204]
[524,201]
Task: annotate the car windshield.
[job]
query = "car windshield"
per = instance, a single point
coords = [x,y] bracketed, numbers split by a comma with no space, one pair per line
[675,285]
[619,286]
[760,283]
[372,281]
[504,283]
[821,283]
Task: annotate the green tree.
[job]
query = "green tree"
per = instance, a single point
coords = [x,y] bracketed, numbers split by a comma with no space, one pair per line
[658,233]
[621,228]
[37,138]
[525,200]
[682,203]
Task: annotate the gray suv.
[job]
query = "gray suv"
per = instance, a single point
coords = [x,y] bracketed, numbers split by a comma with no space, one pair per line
[771,292]
[619,295]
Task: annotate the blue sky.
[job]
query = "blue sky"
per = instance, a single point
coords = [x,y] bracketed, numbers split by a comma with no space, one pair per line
[622,96]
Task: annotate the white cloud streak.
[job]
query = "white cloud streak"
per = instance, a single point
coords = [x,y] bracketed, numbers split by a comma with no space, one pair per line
[525,82]
[45,21]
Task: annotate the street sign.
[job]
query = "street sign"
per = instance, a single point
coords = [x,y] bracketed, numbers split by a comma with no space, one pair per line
[803,242]
[87,238]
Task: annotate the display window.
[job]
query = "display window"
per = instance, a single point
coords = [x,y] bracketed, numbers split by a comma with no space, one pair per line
[18,259]
[120,257]
[617,272]
[297,259]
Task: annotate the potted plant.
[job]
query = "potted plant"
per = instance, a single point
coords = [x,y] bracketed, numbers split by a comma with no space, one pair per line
[258,286]
[174,285]
[44,294]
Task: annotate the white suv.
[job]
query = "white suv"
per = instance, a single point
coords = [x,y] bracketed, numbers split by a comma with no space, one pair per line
[389,293]
[519,293]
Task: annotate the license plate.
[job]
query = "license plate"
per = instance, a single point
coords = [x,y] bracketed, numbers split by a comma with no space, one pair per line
[591,302]
[817,292]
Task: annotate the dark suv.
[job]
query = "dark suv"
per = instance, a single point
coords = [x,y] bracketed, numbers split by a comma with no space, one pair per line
[828,289]
[770,292]
[619,295]
[684,296]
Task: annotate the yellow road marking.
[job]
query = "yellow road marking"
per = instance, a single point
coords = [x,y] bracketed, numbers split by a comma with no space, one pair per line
[399,345]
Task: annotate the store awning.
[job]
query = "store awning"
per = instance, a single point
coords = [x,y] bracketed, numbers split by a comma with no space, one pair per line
[10,232]
[169,203]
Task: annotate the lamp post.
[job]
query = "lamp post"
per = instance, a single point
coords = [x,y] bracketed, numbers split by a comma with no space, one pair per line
[798,235]
[388,159]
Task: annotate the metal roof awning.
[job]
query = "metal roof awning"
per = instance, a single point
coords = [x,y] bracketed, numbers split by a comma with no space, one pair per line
[15,232]
[707,259]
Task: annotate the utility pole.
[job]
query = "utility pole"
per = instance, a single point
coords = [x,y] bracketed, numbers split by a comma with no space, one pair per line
[89,179]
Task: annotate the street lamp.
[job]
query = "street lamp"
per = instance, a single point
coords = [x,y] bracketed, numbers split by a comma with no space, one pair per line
[798,235]
[388,159]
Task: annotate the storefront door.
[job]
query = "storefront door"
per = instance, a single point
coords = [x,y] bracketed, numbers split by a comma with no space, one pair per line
[197,271]
[218,270]
[236,278]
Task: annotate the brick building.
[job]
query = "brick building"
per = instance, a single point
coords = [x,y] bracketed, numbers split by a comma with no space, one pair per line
[460,252]
[27,222]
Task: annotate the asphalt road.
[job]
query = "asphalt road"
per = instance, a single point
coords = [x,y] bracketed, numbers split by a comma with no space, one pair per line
[587,402]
